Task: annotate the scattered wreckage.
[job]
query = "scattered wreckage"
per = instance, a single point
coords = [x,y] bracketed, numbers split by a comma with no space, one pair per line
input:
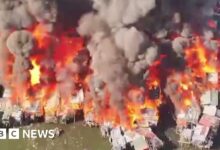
[200,129]
[193,126]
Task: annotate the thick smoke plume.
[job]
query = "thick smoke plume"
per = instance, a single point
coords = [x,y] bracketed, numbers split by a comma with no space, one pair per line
[21,44]
[119,51]
[127,36]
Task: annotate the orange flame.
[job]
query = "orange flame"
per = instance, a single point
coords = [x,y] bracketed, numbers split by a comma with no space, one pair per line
[41,36]
[193,82]
[35,73]
[197,58]
[187,102]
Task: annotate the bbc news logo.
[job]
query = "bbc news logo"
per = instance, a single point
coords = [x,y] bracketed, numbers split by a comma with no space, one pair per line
[14,134]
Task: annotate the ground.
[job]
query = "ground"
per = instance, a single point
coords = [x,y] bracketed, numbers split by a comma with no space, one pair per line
[75,137]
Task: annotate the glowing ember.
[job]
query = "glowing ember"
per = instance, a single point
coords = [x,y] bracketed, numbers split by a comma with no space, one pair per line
[187,102]
[35,73]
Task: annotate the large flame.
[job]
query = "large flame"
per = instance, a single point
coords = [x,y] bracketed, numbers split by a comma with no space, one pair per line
[198,58]
[193,81]
[35,73]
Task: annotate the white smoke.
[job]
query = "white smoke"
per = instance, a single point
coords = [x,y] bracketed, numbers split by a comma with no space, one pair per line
[23,13]
[119,53]
[44,11]
[65,74]
[179,44]
[21,44]
[4,56]
[127,36]
[118,13]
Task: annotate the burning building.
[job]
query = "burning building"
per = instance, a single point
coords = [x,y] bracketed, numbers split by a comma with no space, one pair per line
[123,60]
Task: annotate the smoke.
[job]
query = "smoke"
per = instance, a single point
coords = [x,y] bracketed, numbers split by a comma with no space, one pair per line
[118,13]
[65,74]
[44,11]
[124,39]
[179,44]
[119,53]
[65,82]
[90,24]
[17,18]
[127,36]
[4,56]
[17,14]
[14,14]
[21,44]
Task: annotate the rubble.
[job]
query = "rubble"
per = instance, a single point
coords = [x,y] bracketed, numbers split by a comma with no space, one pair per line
[105,129]
[192,115]
[136,139]
[210,121]
[200,135]
[186,135]
[51,119]
[6,93]
[140,143]
[117,138]
[194,128]
[120,138]
[1,91]
[58,132]
[149,117]
[202,132]
[17,117]
[210,110]
[213,77]
[90,120]
[6,119]
[218,113]
[210,98]
[79,98]
[67,117]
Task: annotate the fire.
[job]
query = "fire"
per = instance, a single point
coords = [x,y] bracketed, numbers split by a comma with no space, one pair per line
[209,69]
[137,111]
[198,58]
[41,36]
[135,114]
[187,102]
[155,83]
[184,86]
[68,47]
[190,84]
[76,106]
[35,73]
[26,104]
